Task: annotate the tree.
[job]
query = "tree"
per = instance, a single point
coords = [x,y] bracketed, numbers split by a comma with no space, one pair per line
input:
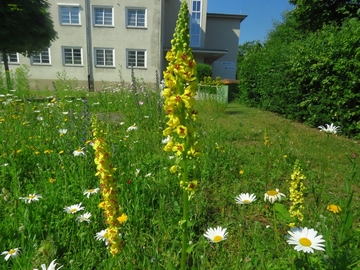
[244,49]
[26,27]
[311,15]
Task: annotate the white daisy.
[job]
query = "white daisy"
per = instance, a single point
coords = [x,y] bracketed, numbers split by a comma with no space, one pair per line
[52,266]
[305,240]
[330,128]
[79,152]
[216,234]
[147,175]
[84,217]
[89,192]
[63,131]
[133,127]
[273,195]
[40,118]
[72,209]
[102,236]
[12,253]
[30,198]
[166,140]
[137,172]
[245,198]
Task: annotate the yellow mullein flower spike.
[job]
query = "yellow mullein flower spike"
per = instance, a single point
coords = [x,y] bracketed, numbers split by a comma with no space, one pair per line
[296,192]
[108,187]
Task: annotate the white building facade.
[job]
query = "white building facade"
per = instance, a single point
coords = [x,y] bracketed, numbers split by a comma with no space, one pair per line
[102,40]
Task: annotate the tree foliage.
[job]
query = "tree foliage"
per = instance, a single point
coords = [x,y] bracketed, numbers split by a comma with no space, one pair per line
[26,26]
[312,15]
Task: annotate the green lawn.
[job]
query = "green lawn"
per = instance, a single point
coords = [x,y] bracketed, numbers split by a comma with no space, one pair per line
[35,158]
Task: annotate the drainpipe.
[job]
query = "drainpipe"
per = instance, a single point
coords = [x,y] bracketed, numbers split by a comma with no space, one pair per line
[88,25]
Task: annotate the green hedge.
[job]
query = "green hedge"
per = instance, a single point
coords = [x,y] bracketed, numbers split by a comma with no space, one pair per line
[315,79]
[203,71]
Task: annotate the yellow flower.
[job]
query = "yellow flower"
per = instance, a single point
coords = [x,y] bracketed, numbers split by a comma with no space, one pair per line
[182,131]
[173,169]
[241,172]
[285,156]
[52,180]
[122,219]
[333,208]
[102,205]
[61,152]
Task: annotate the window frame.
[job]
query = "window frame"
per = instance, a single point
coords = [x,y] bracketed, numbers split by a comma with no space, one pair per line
[70,6]
[198,25]
[41,59]
[94,8]
[63,48]
[9,58]
[137,9]
[104,51]
[136,56]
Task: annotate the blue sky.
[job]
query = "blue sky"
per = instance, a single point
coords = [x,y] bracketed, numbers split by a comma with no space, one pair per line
[260,15]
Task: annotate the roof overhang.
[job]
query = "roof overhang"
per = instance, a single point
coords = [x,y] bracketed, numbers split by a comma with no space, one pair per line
[239,17]
[208,55]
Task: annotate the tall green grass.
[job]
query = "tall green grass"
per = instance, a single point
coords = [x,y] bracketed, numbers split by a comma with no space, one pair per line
[36,158]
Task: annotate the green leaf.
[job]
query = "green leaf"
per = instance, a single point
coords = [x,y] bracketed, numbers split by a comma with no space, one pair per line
[282,213]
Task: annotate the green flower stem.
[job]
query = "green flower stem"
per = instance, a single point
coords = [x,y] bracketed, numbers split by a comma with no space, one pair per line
[184,230]
[185,213]
[276,232]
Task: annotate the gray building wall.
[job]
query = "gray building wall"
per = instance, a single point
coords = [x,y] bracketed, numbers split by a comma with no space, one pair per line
[218,32]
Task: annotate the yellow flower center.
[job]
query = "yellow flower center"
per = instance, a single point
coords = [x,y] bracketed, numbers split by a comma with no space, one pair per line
[91,190]
[73,210]
[305,242]
[31,197]
[217,238]
[246,201]
[12,251]
[272,193]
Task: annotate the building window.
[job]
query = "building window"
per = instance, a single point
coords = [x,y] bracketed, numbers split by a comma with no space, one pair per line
[69,15]
[195,23]
[72,56]
[43,58]
[103,16]
[104,57]
[13,58]
[136,58]
[136,17]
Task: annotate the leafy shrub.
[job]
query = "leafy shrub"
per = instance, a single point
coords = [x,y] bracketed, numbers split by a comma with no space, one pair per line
[325,70]
[203,70]
[313,79]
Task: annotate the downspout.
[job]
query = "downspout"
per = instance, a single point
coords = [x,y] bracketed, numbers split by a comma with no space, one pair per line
[88,24]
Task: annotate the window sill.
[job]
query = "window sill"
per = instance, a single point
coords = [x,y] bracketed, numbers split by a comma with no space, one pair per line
[111,67]
[104,26]
[136,27]
[70,24]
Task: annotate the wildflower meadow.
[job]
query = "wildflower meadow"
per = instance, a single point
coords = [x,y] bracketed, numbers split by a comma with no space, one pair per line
[128,178]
